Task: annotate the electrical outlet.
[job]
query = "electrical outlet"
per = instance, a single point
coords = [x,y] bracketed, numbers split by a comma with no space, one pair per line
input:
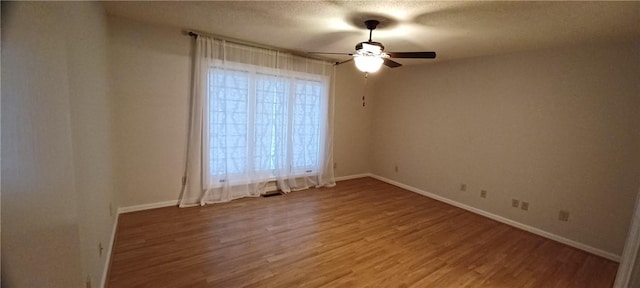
[396,168]
[335,165]
[563,216]
[524,206]
[515,203]
[463,187]
[100,249]
[483,193]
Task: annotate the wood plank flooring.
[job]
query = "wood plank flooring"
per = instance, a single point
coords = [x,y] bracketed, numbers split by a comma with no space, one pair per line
[361,233]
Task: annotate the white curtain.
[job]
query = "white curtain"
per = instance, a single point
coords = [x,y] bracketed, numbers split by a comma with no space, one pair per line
[257,116]
[629,269]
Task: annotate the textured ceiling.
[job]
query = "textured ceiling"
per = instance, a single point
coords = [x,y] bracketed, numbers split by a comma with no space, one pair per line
[452,29]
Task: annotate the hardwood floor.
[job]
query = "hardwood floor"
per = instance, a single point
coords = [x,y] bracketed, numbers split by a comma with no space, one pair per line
[361,233]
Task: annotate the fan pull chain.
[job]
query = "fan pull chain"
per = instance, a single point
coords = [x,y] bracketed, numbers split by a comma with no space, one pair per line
[366,77]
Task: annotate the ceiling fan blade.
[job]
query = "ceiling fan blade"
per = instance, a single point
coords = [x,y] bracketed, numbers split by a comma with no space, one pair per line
[331,53]
[390,63]
[345,61]
[422,55]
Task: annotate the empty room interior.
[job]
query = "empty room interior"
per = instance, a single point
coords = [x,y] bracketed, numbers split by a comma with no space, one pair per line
[320,144]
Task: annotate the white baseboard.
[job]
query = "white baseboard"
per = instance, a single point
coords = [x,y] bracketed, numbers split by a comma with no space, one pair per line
[572,243]
[147,206]
[356,176]
[107,259]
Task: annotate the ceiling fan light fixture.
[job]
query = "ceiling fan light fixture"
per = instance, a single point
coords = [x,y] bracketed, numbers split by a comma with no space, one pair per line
[369,64]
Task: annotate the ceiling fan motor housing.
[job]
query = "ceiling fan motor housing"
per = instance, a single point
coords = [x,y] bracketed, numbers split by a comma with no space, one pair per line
[359,46]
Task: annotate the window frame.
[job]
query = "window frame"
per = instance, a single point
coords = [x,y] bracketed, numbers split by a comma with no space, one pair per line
[253,72]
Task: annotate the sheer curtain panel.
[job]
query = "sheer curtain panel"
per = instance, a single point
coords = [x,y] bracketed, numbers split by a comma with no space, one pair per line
[257,116]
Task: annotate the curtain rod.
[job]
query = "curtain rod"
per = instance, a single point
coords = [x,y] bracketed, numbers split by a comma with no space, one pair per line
[195,34]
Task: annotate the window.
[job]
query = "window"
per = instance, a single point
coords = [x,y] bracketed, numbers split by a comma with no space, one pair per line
[261,123]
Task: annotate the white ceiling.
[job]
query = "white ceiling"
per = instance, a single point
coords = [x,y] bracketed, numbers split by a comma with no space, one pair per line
[452,29]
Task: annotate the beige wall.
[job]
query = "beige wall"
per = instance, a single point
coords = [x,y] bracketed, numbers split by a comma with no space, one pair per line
[55,144]
[352,147]
[557,128]
[150,71]
[90,107]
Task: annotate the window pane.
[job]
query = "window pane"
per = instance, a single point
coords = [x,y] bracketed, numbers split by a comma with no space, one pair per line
[306,124]
[228,94]
[270,121]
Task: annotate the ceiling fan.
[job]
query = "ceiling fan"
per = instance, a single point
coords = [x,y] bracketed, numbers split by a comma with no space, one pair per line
[370,55]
